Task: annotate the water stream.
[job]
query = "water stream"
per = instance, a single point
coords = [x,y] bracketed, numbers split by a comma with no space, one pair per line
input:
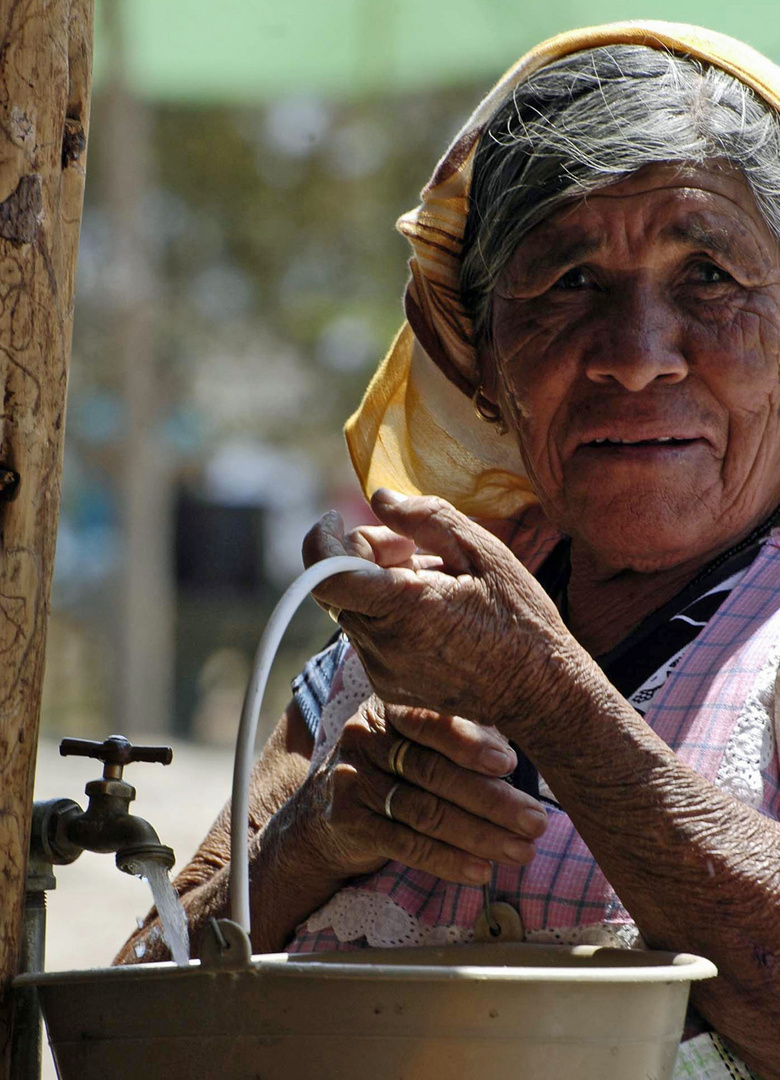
[172,917]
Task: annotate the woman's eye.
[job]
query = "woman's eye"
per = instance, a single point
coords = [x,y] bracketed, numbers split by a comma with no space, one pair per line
[576,278]
[710,274]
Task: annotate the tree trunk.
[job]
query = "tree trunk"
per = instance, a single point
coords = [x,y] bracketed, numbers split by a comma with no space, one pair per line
[45,70]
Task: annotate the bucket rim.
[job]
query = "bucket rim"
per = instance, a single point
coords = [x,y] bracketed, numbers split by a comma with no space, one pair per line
[666,967]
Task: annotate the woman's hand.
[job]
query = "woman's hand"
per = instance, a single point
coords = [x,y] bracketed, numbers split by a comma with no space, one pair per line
[455,623]
[452,814]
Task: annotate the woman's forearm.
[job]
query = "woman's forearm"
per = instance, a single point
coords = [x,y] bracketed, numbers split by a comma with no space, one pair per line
[289,876]
[697,869]
[287,880]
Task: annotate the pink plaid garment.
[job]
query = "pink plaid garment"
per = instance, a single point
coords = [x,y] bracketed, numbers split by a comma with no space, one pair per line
[695,712]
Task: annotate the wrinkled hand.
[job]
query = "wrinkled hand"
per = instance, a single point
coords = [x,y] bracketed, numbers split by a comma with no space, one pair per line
[452,812]
[454,623]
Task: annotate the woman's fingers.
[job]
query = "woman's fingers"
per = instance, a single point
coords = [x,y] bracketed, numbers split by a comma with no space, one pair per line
[428,540]
[368,594]
[425,832]
[420,852]
[325,539]
[473,634]
[375,543]
[444,818]
[381,545]
[447,756]
[438,819]
[481,797]
[474,746]
[437,527]
[354,591]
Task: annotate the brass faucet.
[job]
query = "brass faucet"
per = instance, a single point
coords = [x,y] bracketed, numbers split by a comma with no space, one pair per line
[61,830]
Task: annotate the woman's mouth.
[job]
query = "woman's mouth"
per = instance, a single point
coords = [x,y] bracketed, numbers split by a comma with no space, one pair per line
[663,447]
[665,440]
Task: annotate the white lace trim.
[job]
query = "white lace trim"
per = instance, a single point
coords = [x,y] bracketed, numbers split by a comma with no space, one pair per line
[354,691]
[613,935]
[352,914]
[752,743]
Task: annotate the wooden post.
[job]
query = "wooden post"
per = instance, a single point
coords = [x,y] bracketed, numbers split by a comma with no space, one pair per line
[45,74]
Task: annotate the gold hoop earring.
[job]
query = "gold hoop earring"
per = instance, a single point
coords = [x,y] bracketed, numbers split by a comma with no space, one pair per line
[488,411]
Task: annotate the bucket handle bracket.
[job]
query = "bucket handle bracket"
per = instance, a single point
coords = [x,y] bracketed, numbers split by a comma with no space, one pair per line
[226,946]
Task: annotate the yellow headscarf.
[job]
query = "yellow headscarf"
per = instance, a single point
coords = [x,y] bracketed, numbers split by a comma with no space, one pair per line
[416,430]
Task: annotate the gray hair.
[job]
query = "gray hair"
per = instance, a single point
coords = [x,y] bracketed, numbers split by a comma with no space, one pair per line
[592,118]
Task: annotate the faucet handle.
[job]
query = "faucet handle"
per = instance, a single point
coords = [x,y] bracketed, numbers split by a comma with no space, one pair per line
[115,750]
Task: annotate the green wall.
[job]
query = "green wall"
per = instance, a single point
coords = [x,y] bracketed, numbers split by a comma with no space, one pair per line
[255,50]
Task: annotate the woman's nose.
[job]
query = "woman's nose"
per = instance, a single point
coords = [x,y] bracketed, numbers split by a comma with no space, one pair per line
[637,341]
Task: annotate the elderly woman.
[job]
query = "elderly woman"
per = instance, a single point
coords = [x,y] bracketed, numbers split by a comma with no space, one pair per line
[597,267]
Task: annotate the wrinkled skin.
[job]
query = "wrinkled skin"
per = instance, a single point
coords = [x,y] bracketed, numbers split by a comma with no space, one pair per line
[414,652]
[650,309]
[696,868]
[450,801]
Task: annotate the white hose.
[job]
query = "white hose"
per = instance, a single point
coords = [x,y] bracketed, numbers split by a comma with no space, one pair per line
[250,714]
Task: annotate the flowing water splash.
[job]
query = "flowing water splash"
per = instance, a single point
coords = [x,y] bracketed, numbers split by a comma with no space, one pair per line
[172,917]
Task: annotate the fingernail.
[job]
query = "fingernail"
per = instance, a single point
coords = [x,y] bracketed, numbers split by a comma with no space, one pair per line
[533,822]
[496,761]
[392,496]
[478,872]
[516,850]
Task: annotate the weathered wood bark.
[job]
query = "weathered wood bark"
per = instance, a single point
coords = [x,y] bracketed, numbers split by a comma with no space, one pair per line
[45,70]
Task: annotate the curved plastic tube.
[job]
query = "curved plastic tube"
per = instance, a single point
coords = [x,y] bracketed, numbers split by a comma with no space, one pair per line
[250,714]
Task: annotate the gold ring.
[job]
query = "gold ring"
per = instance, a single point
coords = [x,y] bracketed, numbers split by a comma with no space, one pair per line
[335,613]
[397,754]
[388,801]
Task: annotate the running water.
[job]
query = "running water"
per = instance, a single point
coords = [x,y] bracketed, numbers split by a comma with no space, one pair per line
[172,917]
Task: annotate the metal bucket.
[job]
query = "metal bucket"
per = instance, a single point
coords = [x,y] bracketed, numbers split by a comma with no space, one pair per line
[493,1011]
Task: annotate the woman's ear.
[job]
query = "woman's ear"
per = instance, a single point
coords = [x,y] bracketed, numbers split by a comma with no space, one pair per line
[485,397]
[486,362]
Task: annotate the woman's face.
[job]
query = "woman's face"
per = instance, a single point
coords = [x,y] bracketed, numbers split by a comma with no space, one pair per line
[636,353]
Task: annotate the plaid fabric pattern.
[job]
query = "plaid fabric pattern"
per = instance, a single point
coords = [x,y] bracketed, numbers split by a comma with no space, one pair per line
[312,688]
[695,713]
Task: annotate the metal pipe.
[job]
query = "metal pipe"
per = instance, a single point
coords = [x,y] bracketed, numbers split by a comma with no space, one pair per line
[250,714]
[26,1044]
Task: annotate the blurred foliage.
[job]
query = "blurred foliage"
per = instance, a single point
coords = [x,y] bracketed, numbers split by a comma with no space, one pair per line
[277,281]
[272,236]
